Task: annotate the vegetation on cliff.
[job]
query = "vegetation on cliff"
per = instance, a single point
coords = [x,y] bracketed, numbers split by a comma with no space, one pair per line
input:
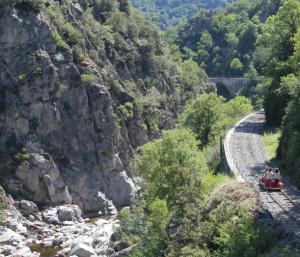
[96,66]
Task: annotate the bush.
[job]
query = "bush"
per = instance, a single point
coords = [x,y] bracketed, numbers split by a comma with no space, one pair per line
[2,207]
[88,77]
[70,34]
[21,156]
[126,111]
[66,30]
[78,53]
[59,42]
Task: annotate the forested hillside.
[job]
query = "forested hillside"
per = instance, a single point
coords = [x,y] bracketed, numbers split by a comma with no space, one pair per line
[171,12]
[223,41]
[280,41]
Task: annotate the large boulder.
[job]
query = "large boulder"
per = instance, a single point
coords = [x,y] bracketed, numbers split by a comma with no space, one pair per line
[9,237]
[69,213]
[82,250]
[121,188]
[41,179]
[28,208]
[99,205]
[50,216]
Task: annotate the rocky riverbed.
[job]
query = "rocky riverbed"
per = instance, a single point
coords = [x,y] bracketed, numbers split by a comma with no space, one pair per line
[54,231]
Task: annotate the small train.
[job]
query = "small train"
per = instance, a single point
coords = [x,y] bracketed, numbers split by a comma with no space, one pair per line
[271,179]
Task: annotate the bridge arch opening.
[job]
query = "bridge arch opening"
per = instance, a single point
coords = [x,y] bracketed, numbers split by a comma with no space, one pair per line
[223,91]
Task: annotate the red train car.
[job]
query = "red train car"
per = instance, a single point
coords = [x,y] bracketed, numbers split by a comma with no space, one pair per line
[271,180]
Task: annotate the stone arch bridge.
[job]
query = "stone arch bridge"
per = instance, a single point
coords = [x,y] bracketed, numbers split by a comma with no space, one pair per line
[231,85]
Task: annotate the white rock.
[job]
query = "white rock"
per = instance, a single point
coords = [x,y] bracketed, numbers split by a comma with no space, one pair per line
[69,213]
[8,237]
[82,250]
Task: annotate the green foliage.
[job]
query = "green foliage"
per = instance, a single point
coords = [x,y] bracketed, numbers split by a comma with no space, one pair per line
[88,77]
[78,53]
[21,156]
[205,117]
[236,64]
[193,79]
[237,234]
[171,168]
[126,110]
[171,12]
[2,218]
[208,116]
[290,141]
[171,165]
[67,32]
[279,35]
[146,232]
[271,143]
[70,34]
[210,181]
[224,41]
[237,108]
[59,42]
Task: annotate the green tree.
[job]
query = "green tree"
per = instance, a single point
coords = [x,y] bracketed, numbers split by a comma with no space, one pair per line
[205,116]
[171,165]
[236,64]
[290,141]
[236,108]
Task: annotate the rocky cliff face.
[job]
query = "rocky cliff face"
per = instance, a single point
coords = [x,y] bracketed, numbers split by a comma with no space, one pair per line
[68,125]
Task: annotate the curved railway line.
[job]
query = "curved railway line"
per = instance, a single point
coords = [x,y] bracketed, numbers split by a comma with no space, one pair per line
[246,158]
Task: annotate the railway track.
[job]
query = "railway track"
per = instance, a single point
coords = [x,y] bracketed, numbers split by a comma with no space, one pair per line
[284,203]
[247,157]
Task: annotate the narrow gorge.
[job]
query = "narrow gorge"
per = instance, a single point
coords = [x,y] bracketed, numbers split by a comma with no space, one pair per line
[113,123]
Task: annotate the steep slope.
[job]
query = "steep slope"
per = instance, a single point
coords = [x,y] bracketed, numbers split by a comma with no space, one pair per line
[224,41]
[81,85]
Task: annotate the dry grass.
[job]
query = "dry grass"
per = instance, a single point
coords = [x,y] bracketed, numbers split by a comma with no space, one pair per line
[235,194]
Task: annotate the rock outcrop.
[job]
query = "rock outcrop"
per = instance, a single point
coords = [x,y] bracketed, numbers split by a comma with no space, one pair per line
[81,86]
[60,141]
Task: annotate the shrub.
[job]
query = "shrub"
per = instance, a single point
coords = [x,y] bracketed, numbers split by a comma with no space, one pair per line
[126,111]
[2,218]
[21,156]
[70,34]
[88,77]
[59,42]
[66,30]
[78,53]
